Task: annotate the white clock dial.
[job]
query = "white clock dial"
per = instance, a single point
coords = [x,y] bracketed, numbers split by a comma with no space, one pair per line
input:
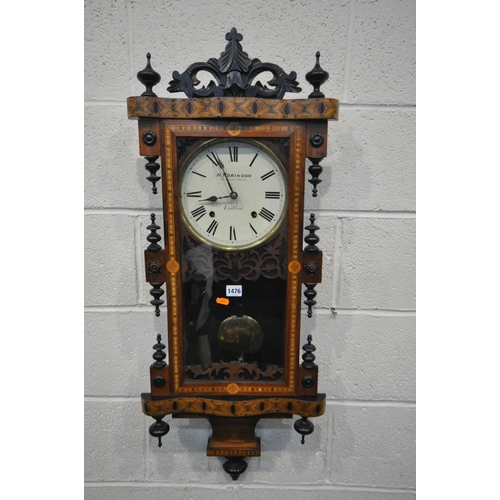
[233,193]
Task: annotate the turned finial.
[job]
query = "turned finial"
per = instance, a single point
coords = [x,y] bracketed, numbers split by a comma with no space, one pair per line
[317,77]
[149,78]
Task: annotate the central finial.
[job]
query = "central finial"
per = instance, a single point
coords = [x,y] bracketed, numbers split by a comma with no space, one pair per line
[234,58]
[234,35]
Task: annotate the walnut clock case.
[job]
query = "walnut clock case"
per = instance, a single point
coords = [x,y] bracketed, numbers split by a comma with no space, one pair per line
[238,258]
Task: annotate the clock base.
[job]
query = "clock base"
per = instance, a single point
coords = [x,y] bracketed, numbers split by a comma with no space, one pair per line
[234,420]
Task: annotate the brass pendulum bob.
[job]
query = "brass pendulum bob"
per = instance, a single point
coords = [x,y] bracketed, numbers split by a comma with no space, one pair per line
[240,334]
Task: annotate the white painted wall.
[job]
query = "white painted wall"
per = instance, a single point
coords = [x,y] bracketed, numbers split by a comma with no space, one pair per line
[363,448]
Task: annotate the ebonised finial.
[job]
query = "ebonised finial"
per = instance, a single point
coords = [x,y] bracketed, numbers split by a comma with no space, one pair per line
[152,166]
[159,429]
[149,78]
[156,292]
[317,77]
[308,356]
[235,466]
[159,354]
[309,294]
[312,238]
[304,427]
[153,237]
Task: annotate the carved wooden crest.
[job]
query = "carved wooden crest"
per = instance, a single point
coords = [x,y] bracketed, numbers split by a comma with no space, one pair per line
[234,73]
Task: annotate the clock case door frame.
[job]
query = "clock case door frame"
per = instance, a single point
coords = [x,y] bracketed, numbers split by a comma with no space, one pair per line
[295,132]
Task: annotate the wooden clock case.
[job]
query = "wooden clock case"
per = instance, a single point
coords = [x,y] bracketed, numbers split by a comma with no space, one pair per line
[233,396]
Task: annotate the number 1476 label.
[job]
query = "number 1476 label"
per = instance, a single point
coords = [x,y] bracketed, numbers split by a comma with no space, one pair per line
[234,290]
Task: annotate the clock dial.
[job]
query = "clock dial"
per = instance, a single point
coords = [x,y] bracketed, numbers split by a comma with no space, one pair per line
[233,193]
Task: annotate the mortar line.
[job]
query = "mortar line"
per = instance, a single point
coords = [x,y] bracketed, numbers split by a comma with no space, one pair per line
[108,399]
[344,105]
[329,402]
[348,51]
[139,308]
[260,486]
[146,308]
[337,261]
[375,214]
[327,477]
[120,211]
[147,454]
[138,259]
[379,214]
[106,102]
[130,39]
[372,403]
[380,106]
[372,312]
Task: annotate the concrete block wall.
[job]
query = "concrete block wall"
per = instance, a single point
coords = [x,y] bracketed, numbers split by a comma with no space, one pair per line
[363,448]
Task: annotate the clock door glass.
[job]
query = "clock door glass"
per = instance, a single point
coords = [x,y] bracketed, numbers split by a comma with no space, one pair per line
[233,199]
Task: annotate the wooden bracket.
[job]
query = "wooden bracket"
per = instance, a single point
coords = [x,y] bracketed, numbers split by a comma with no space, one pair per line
[233,437]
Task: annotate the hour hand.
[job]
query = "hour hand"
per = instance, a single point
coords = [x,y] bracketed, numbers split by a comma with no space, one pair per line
[214,198]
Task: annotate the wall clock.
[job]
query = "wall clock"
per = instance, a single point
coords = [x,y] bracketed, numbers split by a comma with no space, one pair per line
[239,257]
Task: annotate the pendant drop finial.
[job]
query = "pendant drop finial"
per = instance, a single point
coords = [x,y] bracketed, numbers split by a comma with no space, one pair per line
[304,427]
[159,429]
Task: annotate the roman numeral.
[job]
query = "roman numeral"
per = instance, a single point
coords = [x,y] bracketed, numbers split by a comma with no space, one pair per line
[266,214]
[195,194]
[269,174]
[251,163]
[232,233]
[198,213]
[214,160]
[233,153]
[273,195]
[213,227]
[253,229]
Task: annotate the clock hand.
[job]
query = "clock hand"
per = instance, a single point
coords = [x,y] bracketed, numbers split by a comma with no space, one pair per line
[214,198]
[233,193]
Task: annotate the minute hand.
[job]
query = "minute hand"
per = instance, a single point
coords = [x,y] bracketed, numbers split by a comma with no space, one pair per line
[233,193]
